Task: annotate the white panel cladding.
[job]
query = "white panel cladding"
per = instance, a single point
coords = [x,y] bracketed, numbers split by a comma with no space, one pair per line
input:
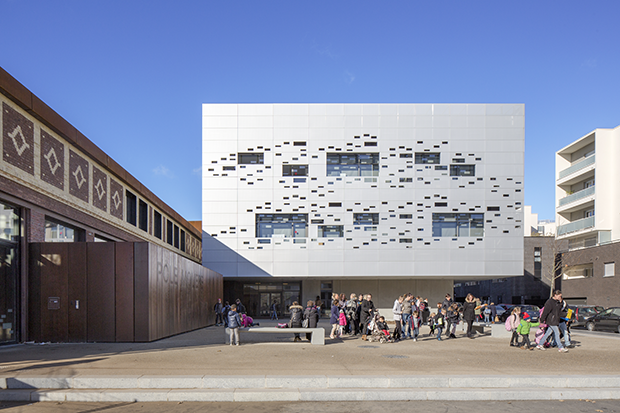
[403,193]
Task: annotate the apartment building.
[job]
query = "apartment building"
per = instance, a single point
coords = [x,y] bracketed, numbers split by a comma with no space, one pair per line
[302,200]
[588,217]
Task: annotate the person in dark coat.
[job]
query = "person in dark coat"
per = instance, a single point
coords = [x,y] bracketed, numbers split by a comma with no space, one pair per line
[366,312]
[217,308]
[447,303]
[469,313]
[311,314]
[551,317]
[297,314]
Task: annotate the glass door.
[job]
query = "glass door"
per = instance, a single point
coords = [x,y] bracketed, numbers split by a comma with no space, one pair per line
[9,272]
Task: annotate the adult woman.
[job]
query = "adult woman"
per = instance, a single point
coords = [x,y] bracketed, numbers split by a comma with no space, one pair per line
[334,318]
[469,312]
[397,310]
[311,314]
[296,316]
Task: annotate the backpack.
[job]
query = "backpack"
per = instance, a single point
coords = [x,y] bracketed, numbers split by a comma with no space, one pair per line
[508,324]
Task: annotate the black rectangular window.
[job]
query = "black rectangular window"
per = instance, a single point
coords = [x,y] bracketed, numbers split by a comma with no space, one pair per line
[441,167]
[405,179]
[132,205]
[143,215]
[182,240]
[493,208]
[157,224]
[405,216]
[365,218]
[462,170]
[176,236]
[353,164]
[427,157]
[406,155]
[169,232]
[537,262]
[250,158]
[294,170]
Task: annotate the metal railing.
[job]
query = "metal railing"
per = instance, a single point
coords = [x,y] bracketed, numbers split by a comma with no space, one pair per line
[577,166]
[576,226]
[577,195]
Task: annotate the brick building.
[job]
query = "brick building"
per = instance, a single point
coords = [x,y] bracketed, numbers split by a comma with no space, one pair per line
[87,253]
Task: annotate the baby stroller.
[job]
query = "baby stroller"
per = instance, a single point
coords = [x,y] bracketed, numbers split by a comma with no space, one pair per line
[376,333]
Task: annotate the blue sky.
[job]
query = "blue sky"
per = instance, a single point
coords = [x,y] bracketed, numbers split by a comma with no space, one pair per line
[132,75]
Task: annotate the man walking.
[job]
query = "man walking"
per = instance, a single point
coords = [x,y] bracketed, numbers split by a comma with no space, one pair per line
[218,312]
[551,317]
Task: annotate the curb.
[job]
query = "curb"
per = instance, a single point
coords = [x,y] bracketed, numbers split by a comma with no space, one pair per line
[149,388]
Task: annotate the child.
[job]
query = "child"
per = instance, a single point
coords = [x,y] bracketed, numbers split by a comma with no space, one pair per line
[514,320]
[234,322]
[342,321]
[382,325]
[524,329]
[416,321]
[454,317]
[439,322]
[431,323]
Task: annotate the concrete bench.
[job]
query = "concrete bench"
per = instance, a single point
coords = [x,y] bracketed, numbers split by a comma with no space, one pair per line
[317,334]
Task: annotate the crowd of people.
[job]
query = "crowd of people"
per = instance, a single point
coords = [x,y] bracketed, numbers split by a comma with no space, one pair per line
[357,316]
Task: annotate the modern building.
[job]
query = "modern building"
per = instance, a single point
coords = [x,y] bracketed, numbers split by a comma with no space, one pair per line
[533,226]
[87,252]
[541,269]
[588,217]
[302,200]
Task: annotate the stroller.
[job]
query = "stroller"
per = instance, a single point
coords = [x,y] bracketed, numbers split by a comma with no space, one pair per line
[376,333]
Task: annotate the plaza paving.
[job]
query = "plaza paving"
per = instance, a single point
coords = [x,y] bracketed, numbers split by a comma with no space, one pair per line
[198,366]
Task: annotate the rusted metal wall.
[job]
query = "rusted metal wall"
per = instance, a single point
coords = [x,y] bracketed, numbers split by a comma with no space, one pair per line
[120,292]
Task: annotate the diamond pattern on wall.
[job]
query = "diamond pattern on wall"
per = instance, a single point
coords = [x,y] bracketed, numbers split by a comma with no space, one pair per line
[18,139]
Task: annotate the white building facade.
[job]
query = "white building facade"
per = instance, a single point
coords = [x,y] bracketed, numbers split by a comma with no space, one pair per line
[588,217]
[301,200]
[587,214]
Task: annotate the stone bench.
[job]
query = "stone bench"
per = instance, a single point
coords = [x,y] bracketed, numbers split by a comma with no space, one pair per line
[317,334]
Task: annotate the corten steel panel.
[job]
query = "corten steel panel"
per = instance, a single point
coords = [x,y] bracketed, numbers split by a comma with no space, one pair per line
[34,292]
[54,260]
[15,89]
[101,292]
[180,293]
[55,121]
[77,305]
[141,292]
[124,291]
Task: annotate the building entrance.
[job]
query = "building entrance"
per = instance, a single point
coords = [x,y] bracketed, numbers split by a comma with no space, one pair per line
[10,228]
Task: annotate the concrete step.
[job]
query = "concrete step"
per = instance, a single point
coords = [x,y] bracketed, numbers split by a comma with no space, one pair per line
[303,394]
[298,388]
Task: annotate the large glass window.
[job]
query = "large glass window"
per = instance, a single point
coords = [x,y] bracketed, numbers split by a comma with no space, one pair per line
[365,218]
[352,164]
[281,225]
[458,225]
[427,157]
[56,231]
[294,170]
[250,158]
[10,232]
[143,215]
[462,170]
[331,231]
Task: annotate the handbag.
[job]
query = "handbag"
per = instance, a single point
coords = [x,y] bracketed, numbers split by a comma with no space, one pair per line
[305,323]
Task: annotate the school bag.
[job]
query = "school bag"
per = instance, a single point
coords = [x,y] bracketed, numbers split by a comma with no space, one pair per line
[508,324]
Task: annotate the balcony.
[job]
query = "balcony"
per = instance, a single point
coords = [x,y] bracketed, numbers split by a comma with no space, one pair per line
[576,167]
[576,226]
[576,196]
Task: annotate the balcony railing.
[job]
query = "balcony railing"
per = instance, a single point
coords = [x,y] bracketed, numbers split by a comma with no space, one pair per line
[576,226]
[577,166]
[577,195]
